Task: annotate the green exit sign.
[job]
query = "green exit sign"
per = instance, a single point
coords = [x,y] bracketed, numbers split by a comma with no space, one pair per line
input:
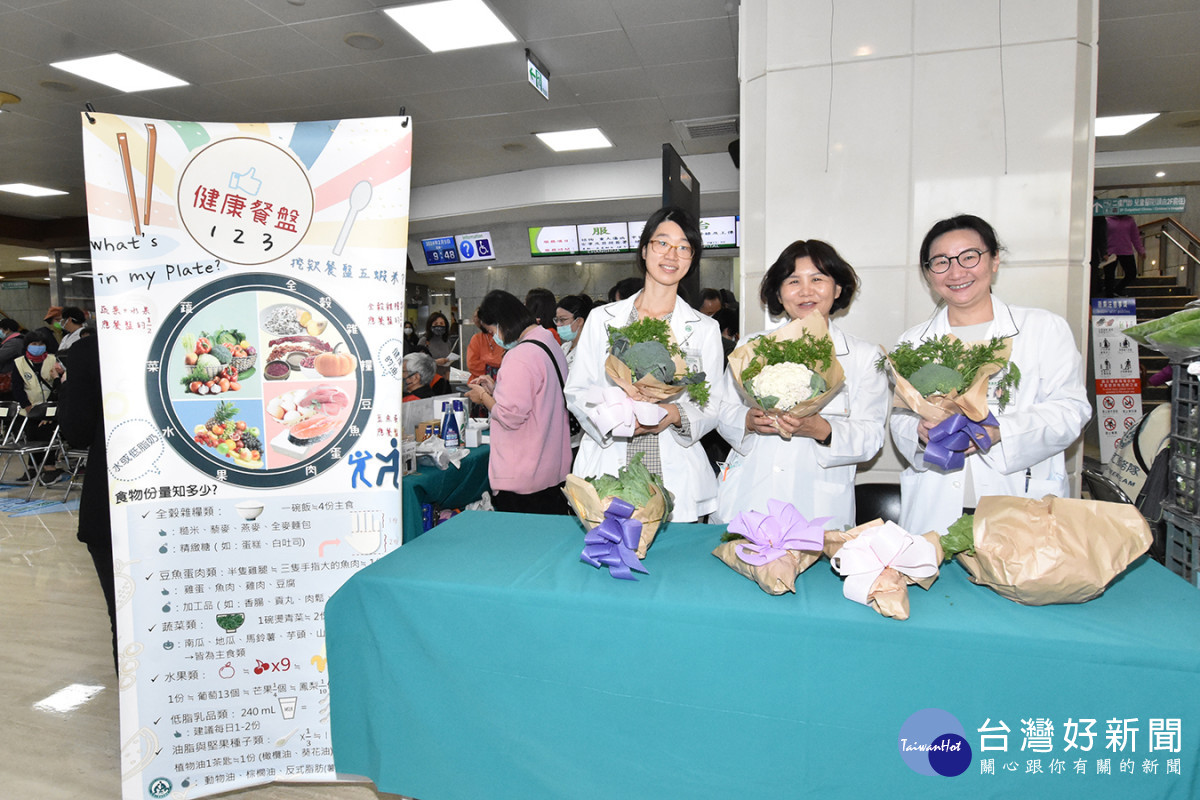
[539,76]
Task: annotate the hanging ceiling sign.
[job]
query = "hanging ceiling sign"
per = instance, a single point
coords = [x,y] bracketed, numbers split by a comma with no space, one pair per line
[539,76]
[1167,204]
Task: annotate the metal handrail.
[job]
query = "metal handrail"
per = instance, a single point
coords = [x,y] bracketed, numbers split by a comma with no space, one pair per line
[1186,252]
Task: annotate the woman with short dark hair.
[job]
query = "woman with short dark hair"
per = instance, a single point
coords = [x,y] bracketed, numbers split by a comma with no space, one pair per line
[1048,408]
[815,468]
[569,317]
[670,247]
[530,441]
[438,342]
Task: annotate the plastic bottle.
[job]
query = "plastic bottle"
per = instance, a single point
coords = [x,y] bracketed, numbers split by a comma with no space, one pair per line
[450,430]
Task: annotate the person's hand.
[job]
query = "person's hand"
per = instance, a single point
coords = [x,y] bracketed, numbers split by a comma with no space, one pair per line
[487,382]
[672,418]
[766,424]
[59,369]
[481,396]
[814,427]
[923,429]
[441,362]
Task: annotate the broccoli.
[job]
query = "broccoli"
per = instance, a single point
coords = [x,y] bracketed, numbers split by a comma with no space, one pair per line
[935,379]
[222,354]
[649,358]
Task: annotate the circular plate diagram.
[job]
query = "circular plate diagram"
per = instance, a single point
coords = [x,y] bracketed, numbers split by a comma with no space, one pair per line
[260,380]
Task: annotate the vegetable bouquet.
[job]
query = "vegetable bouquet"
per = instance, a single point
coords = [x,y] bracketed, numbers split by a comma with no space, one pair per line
[590,498]
[1052,550]
[944,376]
[648,364]
[792,371]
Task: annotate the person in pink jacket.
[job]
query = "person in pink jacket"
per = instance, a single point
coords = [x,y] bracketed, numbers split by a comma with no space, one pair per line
[530,439]
[1124,242]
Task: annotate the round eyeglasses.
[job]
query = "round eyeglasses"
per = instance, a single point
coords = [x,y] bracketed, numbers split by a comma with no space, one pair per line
[661,247]
[967,259]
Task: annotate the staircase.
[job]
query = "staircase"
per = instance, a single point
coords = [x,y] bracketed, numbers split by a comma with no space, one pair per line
[1156,297]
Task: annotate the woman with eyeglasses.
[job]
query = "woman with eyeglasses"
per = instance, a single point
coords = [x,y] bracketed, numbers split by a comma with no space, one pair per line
[815,468]
[1046,413]
[569,317]
[669,248]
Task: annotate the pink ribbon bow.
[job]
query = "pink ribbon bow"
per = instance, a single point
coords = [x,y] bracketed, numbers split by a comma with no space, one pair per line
[862,559]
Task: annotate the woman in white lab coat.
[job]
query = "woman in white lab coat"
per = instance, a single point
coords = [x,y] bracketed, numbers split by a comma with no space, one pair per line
[1047,411]
[670,246]
[815,469]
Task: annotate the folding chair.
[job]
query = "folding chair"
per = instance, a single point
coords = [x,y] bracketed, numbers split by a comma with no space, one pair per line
[22,448]
[75,460]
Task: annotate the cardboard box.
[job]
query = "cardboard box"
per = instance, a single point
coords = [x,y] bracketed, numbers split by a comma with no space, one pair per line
[424,430]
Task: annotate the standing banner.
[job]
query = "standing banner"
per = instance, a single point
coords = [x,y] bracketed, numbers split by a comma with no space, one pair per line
[249,286]
[1118,372]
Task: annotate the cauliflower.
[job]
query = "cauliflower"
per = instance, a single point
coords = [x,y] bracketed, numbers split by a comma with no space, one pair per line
[786,384]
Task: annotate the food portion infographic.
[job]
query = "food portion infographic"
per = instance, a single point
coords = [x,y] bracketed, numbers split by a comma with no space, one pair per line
[261,380]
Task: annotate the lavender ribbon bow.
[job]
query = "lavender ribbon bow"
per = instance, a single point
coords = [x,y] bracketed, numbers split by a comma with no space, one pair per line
[614,542]
[771,535]
[953,435]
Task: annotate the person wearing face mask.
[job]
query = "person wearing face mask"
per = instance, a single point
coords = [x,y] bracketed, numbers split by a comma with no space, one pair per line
[814,469]
[52,328]
[1047,412]
[36,382]
[73,319]
[483,354]
[568,320]
[411,343]
[438,342]
[530,442]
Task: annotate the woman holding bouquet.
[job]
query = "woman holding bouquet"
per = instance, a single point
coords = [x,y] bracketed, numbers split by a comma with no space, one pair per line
[1047,410]
[670,246]
[814,469]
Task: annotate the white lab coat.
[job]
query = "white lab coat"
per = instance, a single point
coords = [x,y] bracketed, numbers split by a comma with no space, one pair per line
[1046,414]
[686,470]
[818,481]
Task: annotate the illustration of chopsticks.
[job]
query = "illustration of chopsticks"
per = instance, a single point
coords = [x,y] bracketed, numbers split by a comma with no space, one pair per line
[123,145]
[151,145]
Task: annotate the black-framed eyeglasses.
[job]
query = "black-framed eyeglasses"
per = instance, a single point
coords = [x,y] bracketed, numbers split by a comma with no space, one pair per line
[967,259]
[662,247]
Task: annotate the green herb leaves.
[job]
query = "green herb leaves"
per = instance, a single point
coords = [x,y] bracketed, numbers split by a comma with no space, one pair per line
[950,352]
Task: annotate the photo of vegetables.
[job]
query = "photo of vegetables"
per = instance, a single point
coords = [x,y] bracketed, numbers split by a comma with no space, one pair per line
[647,363]
[791,371]
[260,380]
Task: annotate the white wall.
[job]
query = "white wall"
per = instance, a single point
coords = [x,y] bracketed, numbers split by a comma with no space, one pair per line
[865,121]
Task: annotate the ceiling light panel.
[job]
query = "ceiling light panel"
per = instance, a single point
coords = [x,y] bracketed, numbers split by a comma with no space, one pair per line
[29,190]
[120,72]
[452,24]
[582,139]
[1119,126]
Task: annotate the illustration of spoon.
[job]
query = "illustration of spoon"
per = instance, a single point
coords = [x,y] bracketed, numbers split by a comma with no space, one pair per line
[360,195]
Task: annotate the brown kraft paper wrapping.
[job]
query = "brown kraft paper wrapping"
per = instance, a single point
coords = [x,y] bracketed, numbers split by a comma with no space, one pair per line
[648,388]
[834,376]
[973,402]
[775,577]
[889,592]
[590,508]
[1053,550]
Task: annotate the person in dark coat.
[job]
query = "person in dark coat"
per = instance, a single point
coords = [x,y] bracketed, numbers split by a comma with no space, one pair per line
[81,422]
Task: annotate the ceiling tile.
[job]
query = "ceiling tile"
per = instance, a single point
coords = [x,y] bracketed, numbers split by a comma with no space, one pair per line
[595,52]
[683,42]
[275,51]
[718,74]
[599,87]
[634,13]
[199,20]
[198,62]
[532,20]
[330,34]
[114,24]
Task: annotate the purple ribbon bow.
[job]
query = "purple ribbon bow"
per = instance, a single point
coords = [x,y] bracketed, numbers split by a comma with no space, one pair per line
[769,536]
[952,436]
[614,542]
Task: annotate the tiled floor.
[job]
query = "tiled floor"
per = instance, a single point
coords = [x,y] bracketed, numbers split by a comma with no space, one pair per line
[55,632]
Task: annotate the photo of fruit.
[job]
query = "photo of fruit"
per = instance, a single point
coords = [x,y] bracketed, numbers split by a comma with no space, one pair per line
[260,376]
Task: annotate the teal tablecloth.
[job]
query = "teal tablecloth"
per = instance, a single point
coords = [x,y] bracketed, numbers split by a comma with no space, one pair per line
[488,662]
[445,488]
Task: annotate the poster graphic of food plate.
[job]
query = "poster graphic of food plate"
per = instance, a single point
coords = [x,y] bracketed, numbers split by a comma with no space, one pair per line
[261,379]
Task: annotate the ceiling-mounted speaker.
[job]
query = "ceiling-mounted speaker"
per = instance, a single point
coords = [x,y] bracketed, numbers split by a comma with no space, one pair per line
[735,152]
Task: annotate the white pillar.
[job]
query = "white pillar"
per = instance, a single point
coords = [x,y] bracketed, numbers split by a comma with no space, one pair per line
[865,121]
